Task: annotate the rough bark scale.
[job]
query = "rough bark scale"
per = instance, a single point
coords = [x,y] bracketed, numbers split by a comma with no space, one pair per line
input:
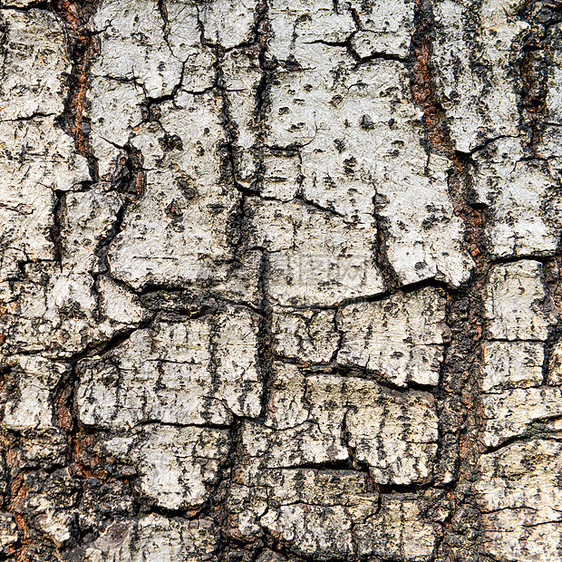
[280,280]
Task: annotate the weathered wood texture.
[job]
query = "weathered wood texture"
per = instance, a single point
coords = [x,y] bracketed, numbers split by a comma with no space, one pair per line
[280,280]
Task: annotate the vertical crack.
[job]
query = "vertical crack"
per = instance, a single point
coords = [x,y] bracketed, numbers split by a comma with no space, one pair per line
[238,231]
[421,80]
[458,392]
[59,209]
[381,245]
[532,70]
[83,48]
[265,351]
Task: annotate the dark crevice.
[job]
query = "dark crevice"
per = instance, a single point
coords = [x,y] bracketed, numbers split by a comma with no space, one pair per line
[129,179]
[354,371]
[458,391]
[83,47]
[532,69]
[265,353]
[421,80]
[374,56]
[391,279]
[59,212]
[530,434]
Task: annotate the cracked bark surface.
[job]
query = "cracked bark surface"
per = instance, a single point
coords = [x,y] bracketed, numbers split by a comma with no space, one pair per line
[280,280]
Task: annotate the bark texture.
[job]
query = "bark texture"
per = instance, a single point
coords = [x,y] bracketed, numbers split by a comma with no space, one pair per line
[280,280]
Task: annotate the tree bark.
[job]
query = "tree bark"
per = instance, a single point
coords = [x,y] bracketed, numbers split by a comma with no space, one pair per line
[280,280]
